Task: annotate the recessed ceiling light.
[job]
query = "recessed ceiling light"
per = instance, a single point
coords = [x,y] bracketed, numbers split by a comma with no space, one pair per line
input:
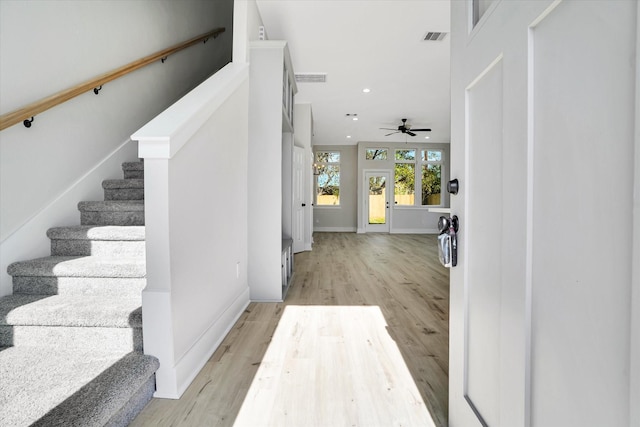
[366,90]
[355,118]
[348,136]
[427,137]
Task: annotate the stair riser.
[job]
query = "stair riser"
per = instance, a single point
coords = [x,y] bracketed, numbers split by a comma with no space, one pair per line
[101,339]
[77,267]
[38,285]
[124,194]
[112,218]
[135,405]
[133,174]
[122,248]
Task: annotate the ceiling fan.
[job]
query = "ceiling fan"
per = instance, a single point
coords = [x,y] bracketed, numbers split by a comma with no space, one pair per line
[405,128]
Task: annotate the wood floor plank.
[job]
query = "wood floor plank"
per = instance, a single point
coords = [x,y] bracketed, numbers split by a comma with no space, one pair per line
[399,275]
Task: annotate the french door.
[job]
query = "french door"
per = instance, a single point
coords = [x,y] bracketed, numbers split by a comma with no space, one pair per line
[377,191]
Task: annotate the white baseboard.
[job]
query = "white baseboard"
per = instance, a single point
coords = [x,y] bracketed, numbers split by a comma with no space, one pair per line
[190,364]
[334,229]
[414,231]
[29,240]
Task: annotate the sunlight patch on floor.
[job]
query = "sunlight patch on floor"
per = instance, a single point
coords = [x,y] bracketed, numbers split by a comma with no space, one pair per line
[333,366]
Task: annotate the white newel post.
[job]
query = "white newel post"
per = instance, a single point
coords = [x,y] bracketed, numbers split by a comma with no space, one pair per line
[156,297]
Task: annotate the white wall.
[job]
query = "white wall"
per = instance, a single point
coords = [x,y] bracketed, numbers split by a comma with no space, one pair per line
[196,225]
[634,351]
[343,217]
[246,23]
[49,46]
[208,222]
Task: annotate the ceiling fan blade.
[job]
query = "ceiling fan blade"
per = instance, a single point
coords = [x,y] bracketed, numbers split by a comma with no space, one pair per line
[389,128]
[392,133]
[411,133]
[421,130]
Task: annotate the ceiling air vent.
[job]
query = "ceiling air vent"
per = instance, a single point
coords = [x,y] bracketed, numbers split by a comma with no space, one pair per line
[433,36]
[311,77]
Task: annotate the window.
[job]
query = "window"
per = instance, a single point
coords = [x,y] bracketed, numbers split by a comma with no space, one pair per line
[376,154]
[405,177]
[431,177]
[327,178]
[422,174]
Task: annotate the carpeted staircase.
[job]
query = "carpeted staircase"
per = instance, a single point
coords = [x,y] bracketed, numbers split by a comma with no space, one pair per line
[71,333]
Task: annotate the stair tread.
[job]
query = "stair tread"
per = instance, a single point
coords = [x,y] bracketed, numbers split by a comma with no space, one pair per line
[98,232]
[79,266]
[84,388]
[123,183]
[70,311]
[112,205]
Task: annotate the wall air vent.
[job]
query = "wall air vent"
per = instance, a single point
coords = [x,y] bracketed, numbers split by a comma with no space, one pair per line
[433,36]
[311,77]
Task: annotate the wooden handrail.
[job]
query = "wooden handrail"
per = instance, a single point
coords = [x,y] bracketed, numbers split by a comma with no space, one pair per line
[44,104]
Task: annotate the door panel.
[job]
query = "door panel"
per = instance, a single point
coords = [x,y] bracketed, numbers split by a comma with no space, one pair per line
[378,188]
[484,243]
[579,281]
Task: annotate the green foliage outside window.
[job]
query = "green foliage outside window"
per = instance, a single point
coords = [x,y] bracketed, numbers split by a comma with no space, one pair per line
[405,154]
[404,188]
[431,184]
[405,178]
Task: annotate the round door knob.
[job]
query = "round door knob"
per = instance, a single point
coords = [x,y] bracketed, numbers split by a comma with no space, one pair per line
[453,186]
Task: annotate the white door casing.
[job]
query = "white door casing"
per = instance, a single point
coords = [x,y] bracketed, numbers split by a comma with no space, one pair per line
[543,123]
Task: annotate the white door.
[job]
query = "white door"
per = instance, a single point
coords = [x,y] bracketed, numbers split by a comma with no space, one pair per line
[377,191]
[299,204]
[542,143]
[309,184]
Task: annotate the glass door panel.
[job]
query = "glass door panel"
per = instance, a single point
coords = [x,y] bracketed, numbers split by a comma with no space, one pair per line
[377,201]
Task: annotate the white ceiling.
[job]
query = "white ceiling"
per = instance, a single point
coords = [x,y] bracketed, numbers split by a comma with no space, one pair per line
[375,44]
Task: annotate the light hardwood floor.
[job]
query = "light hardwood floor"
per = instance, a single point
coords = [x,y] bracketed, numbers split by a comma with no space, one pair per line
[399,274]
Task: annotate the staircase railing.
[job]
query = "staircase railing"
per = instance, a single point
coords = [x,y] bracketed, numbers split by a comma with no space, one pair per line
[28,112]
